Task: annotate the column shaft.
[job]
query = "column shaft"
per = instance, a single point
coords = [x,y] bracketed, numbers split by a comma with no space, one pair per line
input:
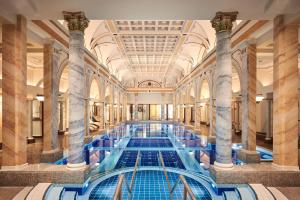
[223,98]
[223,25]
[249,97]
[51,65]
[14,74]
[285,76]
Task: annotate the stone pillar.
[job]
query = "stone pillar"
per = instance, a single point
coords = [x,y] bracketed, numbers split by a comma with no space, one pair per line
[162,112]
[77,23]
[30,138]
[249,96]
[285,87]
[50,124]
[135,107]
[187,114]
[111,107]
[61,115]
[14,107]
[269,120]
[87,116]
[211,107]
[223,25]
[248,153]
[197,116]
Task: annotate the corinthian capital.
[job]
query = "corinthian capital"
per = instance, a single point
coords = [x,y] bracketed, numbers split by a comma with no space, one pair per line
[76,21]
[223,21]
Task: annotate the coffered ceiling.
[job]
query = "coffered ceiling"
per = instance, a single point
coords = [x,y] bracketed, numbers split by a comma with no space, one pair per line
[158,50]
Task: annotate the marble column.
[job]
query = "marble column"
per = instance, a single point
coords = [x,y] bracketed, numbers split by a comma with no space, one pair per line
[111,108]
[249,96]
[14,107]
[61,115]
[269,117]
[187,114]
[197,116]
[162,112]
[211,115]
[30,138]
[285,88]
[135,107]
[223,25]
[248,154]
[87,116]
[50,114]
[77,23]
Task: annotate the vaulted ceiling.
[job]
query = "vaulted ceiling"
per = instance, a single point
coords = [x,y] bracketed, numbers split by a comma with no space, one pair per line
[158,50]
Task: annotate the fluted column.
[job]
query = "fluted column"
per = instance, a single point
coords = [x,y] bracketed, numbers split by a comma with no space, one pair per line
[111,107]
[223,25]
[197,116]
[77,23]
[50,126]
[285,77]
[14,66]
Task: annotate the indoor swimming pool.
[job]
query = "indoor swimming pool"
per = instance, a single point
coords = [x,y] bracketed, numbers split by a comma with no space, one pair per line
[158,153]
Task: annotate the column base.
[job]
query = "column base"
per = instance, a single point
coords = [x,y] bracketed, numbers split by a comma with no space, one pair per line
[76,166]
[248,156]
[51,155]
[286,167]
[223,166]
[15,167]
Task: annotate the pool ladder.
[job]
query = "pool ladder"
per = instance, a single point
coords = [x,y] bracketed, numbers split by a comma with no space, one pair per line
[121,179]
[186,190]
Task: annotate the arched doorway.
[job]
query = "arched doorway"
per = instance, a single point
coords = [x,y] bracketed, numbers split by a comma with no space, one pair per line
[95,108]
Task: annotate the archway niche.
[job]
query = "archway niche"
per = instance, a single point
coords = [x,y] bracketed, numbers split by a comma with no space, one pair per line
[63,100]
[204,103]
[95,109]
[107,106]
[236,106]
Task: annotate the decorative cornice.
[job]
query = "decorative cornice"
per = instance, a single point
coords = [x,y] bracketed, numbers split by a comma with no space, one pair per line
[76,21]
[223,21]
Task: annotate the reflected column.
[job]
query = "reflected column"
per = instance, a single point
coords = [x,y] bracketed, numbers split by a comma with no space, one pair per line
[77,22]
[223,25]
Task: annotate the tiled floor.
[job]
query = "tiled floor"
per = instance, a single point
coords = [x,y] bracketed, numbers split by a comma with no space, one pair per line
[148,185]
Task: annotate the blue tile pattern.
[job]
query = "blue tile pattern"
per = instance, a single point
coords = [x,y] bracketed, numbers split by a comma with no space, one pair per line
[147,143]
[149,185]
[171,159]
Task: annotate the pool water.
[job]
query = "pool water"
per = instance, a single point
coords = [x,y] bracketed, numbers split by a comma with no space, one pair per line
[148,185]
[118,150]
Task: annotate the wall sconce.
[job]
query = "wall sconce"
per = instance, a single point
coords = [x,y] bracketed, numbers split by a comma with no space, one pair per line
[40,97]
[202,104]
[115,105]
[259,98]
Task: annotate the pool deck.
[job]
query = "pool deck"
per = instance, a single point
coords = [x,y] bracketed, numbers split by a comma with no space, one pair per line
[32,174]
[265,173]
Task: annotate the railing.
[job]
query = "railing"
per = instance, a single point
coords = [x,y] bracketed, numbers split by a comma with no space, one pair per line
[129,187]
[118,192]
[187,189]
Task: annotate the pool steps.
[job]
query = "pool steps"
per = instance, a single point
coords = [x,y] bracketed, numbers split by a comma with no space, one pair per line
[38,192]
[267,193]
[23,193]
